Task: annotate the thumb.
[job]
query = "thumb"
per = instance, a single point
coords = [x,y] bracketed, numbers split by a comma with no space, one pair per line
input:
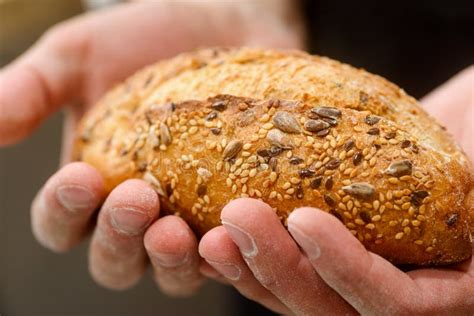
[365,280]
[39,81]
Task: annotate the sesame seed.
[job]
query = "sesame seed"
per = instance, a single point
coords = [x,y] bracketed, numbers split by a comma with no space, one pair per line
[360,222]
[372,161]
[265,118]
[393,181]
[370,226]
[295,180]
[253,173]
[267,126]
[193,130]
[244,173]
[247,146]
[399,235]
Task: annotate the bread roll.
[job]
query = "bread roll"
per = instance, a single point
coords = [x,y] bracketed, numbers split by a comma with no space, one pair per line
[293,130]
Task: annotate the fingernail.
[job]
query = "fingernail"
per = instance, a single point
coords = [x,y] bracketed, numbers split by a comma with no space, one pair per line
[308,244]
[243,239]
[170,260]
[75,197]
[228,270]
[129,221]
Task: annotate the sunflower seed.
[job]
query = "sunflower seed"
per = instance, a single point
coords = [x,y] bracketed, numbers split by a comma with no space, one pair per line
[360,190]
[330,120]
[273,162]
[326,111]
[246,118]
[219,105]
[323,132]
[151,179]
[372,119]
[315,125]
[278,138]
[275,151]
[153,139]
[232,149]
[286,122]
[165,134]
[400,168]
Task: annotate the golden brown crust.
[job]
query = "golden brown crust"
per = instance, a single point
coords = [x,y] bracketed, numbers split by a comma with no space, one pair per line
[293,130]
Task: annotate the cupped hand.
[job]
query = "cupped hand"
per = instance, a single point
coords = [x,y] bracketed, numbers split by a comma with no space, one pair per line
[72,66]
[318,267]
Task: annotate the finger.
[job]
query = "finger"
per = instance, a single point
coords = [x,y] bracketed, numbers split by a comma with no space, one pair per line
[218,249]
[173,251]
[455,96]
[50,73]
[62,210]
[367,281]
[276,261]
[450,289]
[117,256]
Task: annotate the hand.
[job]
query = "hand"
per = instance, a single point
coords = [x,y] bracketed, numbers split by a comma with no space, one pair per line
[73,64]
[320,268]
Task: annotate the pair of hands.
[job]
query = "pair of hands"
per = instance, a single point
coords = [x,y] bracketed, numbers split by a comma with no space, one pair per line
[322,269]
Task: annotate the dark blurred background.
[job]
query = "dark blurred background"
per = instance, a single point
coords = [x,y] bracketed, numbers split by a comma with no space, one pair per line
[416,44]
